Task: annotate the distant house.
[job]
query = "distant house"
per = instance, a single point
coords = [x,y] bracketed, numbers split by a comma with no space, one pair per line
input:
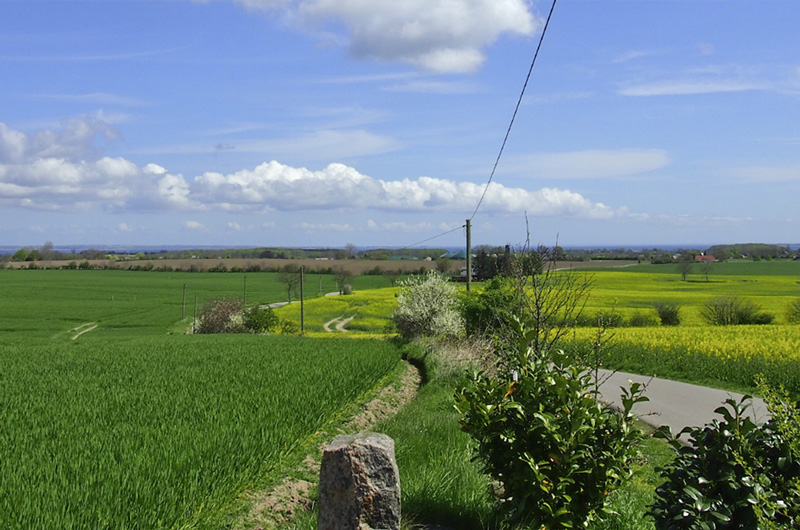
[704,258]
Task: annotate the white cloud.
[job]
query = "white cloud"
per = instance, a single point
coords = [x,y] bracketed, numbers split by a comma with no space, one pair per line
[194,225]
[124,227]
[588,164]
[322,146]
[235,226]
[401,226]
[324,227]
[437,35]
[691,87]
[630,56]
[34,179]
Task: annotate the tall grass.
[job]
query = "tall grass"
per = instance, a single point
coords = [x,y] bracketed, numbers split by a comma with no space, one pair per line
[163,432]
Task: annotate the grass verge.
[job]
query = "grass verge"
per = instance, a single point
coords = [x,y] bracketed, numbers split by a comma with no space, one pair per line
[440,483]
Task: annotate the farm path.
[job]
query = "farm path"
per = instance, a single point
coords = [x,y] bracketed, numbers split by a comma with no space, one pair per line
[339,323]
[673,403]
[83,328]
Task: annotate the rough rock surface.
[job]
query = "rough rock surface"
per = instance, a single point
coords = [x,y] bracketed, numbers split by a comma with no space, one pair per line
[359,484]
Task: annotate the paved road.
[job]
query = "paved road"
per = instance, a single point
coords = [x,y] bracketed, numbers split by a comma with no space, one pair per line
[675,404]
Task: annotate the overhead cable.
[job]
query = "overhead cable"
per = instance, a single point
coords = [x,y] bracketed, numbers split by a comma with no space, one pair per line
[519,102]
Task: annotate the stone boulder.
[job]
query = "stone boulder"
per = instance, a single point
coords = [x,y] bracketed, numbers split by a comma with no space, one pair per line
[359,484]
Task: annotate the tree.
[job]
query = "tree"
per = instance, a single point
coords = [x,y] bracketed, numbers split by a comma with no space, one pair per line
[20,255]
[47,251]
[341,276]
[443,265]
[685,265]
[290,276]
[706,267]
[427,307]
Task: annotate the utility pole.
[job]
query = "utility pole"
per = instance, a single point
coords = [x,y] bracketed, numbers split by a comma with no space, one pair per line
[469,255]
[302,299]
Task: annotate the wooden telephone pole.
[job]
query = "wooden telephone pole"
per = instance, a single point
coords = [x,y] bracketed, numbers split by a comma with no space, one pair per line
[469,255]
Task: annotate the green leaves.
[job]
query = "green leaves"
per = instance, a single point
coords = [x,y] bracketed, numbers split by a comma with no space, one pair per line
[555,448]
[733,474]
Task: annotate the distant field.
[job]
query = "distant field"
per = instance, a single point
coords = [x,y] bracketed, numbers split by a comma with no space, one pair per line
[771,284]
[53,302]
[264,264]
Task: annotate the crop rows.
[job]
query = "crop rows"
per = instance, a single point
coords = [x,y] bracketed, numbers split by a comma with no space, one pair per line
[163,432]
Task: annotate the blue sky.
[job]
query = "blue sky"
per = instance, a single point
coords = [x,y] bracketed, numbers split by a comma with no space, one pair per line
[326,122]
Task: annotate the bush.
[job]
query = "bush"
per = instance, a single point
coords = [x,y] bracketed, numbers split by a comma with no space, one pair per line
[669,314]
[732,311]
[489,313]
[289,327]
[641,320]
[793,312]
[427,307]
[540,431]
[221,315]
[733,474]
[608,320]
[260,319]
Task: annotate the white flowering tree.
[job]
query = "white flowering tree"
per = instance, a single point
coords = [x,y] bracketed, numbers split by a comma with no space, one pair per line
[427,307]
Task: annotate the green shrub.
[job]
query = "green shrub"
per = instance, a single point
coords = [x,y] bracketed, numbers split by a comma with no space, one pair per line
[427,307]
[732,311]
[540,431]
[669,314]
[733,474]
[793,312]
[641,320]
[289,327]
[260,319]
[490,312]
[606,319]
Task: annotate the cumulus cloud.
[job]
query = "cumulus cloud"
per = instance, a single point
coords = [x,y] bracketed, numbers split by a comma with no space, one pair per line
[437,35]
[35,173]
[337,186]
[61,168]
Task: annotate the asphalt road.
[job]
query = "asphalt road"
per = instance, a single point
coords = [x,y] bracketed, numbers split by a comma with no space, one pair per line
[674,403]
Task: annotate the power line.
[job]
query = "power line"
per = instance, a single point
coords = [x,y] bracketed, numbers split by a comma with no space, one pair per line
[431,238]
[519,102]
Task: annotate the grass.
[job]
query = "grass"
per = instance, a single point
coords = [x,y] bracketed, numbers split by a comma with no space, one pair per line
[442,485]
[46,303]
[130,427]
[164,432]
